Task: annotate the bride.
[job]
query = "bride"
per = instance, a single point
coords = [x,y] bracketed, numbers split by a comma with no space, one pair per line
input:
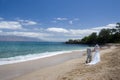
[96,57]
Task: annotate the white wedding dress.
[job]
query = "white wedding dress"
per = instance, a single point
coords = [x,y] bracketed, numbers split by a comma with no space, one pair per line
[96,57]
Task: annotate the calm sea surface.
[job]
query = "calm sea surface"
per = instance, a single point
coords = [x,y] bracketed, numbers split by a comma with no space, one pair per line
[11,52]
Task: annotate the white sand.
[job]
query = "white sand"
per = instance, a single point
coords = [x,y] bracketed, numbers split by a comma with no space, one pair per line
[65,67]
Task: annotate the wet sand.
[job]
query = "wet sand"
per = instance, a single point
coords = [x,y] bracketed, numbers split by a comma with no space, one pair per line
[11,71]
[70,66]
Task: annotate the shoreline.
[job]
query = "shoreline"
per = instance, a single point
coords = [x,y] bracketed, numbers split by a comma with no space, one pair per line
[58,67]
[30,57]
[10,71]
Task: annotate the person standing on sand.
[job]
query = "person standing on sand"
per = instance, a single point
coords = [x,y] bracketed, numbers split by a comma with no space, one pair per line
[96,57]
[89,55]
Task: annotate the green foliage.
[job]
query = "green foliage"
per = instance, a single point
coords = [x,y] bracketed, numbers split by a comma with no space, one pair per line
[118,27]
[92,39]
[104,36]
[71,41]
[84,40]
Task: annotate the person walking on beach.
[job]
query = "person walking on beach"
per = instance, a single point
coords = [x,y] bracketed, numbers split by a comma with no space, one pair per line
[89,55]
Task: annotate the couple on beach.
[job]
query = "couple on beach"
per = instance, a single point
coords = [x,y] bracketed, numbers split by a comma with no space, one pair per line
[96,57]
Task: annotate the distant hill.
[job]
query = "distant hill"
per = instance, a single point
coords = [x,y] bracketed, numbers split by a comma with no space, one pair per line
[18,38]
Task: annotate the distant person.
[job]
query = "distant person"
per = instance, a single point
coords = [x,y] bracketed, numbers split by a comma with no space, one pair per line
[96,57]
[89,55]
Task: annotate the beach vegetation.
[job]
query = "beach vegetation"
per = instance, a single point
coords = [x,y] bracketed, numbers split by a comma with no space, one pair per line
[103,37]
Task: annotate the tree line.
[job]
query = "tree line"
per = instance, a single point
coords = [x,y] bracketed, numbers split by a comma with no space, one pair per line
[104,36]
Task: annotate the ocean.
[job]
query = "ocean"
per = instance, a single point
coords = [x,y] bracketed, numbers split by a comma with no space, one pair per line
[13,52]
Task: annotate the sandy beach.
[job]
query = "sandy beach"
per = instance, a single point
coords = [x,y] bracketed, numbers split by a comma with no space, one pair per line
[69,66]
[11,71]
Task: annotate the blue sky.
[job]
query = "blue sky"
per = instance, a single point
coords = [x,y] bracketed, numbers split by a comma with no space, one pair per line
[57,20]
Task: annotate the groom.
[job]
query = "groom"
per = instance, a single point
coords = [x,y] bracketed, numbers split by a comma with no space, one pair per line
[89,55]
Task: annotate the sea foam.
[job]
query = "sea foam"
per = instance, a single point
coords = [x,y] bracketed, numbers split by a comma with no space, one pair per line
[28,57]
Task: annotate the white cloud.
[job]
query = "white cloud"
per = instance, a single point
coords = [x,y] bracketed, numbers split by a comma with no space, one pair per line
[27,34]
[1,31]
[109,26]
[49,34]
[15,25]
[31,23]
[60,30]
[54,21]
[38,29]
[61,19]
[81,31]
[27,22]
[1,18]
[71,22]
[65,34]
[71,32]
[10,25]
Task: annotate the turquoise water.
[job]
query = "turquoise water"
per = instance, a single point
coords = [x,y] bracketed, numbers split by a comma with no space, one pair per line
[17,51]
